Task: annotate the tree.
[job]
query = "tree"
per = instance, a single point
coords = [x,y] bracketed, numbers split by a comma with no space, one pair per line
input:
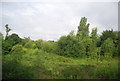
[17,49]
[7,30]
[87,44]
[107,34]
[108,47]
[30,45]
[13,39]
[39,44]
[94,35]
[83,28]
[8,43]
[69,46]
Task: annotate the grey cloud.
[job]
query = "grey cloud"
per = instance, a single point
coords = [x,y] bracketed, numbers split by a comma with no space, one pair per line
[49,21]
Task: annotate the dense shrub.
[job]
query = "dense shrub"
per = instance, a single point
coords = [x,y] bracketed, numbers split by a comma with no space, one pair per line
[24,66]
[9,42]
[39,43]
[17,48]
[47,46]
[70,47]
[13,68]
[30,44]
[107,48]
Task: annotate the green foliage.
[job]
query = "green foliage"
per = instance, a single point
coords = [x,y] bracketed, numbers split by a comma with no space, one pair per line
[47,46]
[109,34]
[13,39]
[24,65]
[6,47]
[70,47]
[9,42]
[17,48]
[107,48]
[37,64]
[14,69]
[78,72]
[62,59]
[94,36]
[39,44]
[107,69]
[87,43]
[83,28]
[30,44]
[94,49]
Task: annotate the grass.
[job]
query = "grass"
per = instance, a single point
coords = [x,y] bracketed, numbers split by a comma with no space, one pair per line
[42,65]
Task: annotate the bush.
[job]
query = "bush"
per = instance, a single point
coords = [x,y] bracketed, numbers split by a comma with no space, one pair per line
[69,46]
[46,46]
[17,49]
[13,68]
[107,47]
[9,42]
[30,44]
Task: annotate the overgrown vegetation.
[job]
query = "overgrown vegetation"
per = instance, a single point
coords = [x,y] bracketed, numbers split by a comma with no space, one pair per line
[82,55]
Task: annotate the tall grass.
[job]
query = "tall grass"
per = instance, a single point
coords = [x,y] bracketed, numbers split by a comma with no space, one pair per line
[38,64]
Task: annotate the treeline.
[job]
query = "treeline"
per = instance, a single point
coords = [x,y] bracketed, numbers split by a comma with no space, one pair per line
[79,45]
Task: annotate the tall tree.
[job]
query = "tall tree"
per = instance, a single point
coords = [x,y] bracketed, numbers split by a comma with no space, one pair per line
[83,28]
[7,30]
[94,36]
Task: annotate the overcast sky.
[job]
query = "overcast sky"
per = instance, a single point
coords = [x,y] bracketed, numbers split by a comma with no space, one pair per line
[50,20]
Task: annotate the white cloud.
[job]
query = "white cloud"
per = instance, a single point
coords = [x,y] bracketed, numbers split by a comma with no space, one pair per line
[49,21]
[59,1]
